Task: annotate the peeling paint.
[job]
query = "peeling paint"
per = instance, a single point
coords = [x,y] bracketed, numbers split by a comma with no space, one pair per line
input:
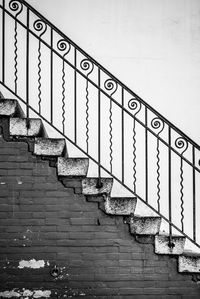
[9,294]
[39,294]
[26,294]
[31,264]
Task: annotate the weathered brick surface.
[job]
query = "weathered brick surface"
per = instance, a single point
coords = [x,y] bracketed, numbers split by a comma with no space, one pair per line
[40,219]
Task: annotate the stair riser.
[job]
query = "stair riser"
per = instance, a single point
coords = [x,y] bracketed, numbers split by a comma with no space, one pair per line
[162,245]
[20,127]
[120,206]
[72,167]
[145,225]
[49,147]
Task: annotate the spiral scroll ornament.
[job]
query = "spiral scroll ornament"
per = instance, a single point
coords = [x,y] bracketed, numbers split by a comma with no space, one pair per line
[64,46]
[134,105]
[87,65]
[40,26]
[181,144]
[16,6]
[157,124]
[111,85]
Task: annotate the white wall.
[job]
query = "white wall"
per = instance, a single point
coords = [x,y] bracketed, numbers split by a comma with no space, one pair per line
[153,46]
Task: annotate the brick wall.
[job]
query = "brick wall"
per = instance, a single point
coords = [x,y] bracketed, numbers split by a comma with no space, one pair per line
[43,225]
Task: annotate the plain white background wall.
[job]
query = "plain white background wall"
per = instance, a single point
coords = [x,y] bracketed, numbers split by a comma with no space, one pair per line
[153,46]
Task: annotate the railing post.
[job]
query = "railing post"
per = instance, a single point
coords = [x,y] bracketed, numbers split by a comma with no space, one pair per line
[194,194]
[51,74]
[27,71]
[170,244]
[146,155]
[99,183]
[3,42]
[75,96]
[122,135]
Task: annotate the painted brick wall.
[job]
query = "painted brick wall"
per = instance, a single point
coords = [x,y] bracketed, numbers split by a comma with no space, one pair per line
[43,224]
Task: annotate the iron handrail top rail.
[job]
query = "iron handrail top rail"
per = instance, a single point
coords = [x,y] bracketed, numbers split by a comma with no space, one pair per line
[110,75]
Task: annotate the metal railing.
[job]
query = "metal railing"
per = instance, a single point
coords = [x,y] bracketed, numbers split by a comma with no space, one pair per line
[123,135]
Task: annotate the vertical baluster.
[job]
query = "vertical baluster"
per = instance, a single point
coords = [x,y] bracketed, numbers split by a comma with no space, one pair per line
[51,76]
[27,69]
[63,96]
[3,42]
[17,7]
[182,144]
[40,26]
[99,183]
[87,65]
[158,124]
[64,46]
[170,244]
[181,191]
[136,106]
[134,157]
[122,135]
[146,155]
[112,86]
[75,96]
[194,193]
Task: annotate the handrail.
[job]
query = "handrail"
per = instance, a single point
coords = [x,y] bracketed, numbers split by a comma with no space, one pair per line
[109,74]
[126,137]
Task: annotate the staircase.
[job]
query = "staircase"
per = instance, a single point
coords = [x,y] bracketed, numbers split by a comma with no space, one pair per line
[160,158]
[72,172]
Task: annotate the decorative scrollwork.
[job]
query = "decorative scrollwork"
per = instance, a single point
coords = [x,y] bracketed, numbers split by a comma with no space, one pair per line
[181,143]
[87,65]
[16,6]
[111,85]
[135,105]
[40,26]
[64,46]
[157,124]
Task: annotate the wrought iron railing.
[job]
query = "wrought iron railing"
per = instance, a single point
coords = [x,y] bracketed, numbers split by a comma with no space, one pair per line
[122,134]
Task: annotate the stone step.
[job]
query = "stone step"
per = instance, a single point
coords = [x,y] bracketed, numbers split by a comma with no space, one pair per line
[144,225]
[72,167]
[55,147]
[89,186]
[10,108]
[189,262]
[18,127]
[120,205]
[162,245]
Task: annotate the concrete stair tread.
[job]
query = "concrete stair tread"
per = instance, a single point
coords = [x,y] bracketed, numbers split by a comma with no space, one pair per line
[189,261]
[10,108]
[145,225]
[90,186]
[55,147]
[120,205]
[72,167]
[162,244]
[18,127]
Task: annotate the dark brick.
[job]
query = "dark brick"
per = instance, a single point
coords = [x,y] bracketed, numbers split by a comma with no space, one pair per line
[41,219]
